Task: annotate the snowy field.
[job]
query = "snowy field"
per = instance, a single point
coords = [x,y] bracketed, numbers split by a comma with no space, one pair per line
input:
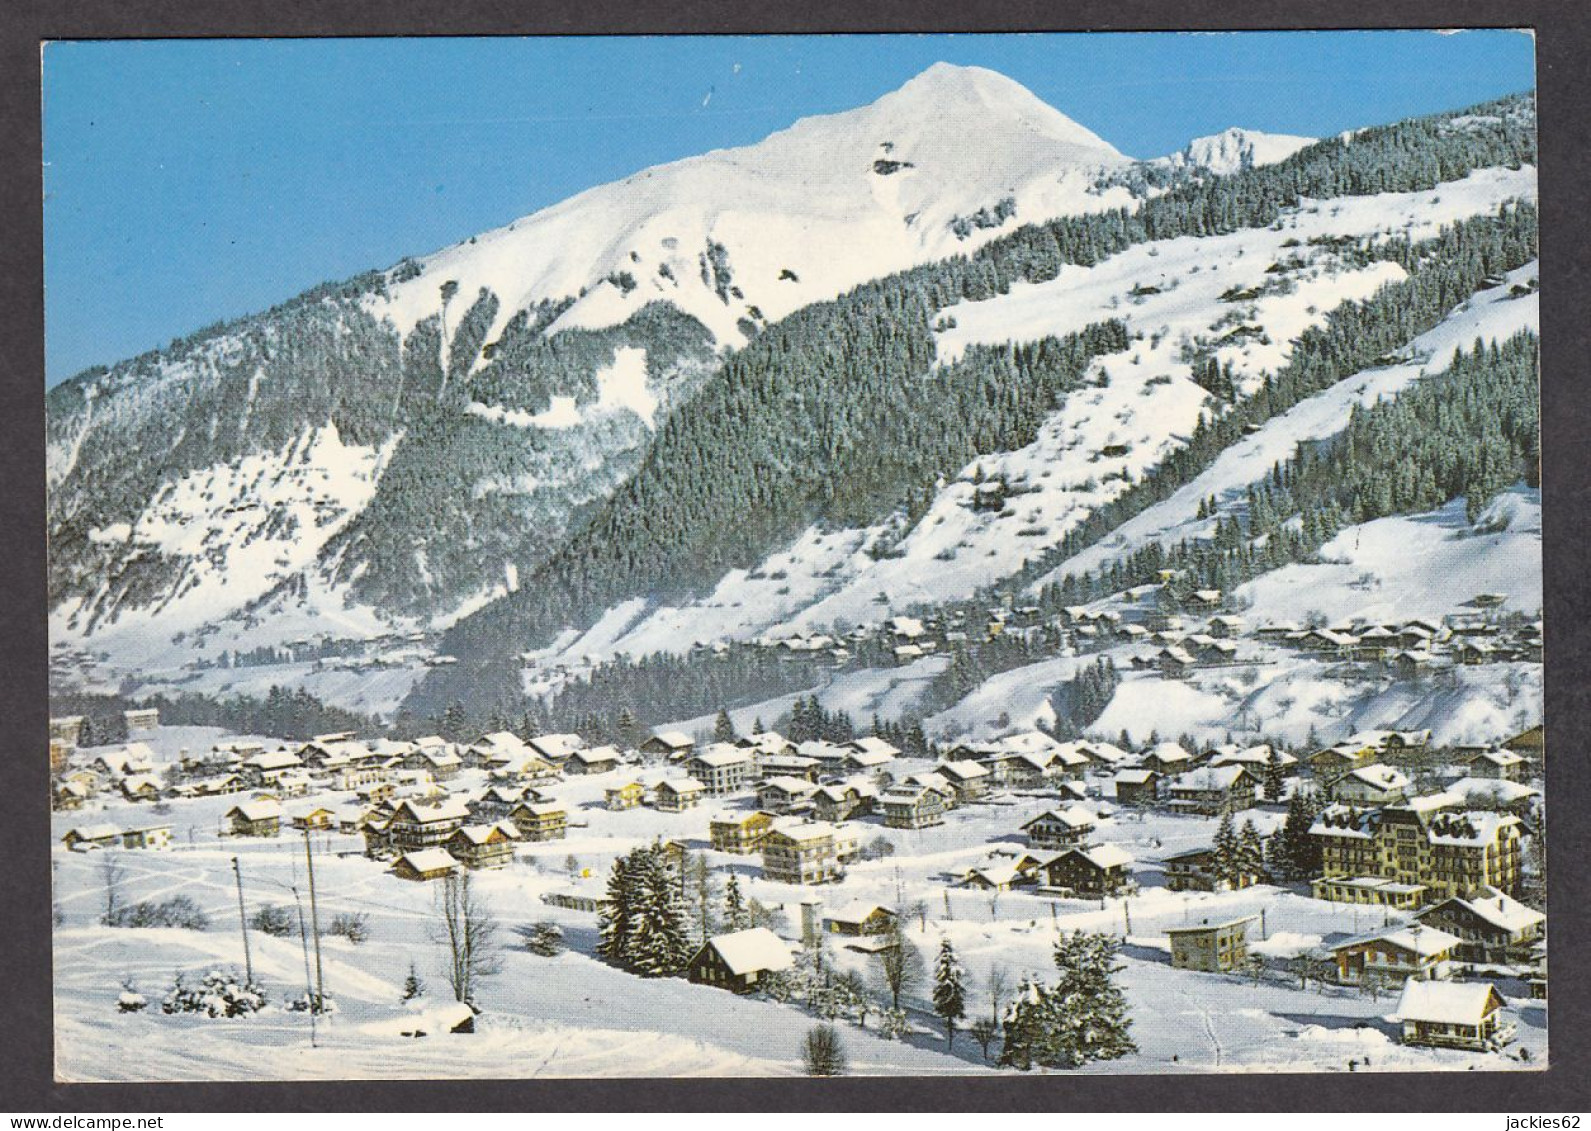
[573,1016]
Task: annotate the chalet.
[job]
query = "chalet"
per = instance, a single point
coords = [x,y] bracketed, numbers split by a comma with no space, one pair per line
[1538,971]
[1410,663]
[540,820]
[441,763]
[70,795]
[1174,661]
[908,806]
[1091,873]
[626,796]
[597,761]
[844,800]
[722,768]
[1471,652]
[1226,626]
[1257,758]
[1216,948]
[1420,842]
[1503,765]
[315,817]
[739,833]
[1327,643]
[1334,761]
[802,853]
[414,825]
[1137,787]
[675,795]
[91,836]
[859,919]
[1393,955]
[1205,599]
[554,749]
[738,961]
[1374,643]
[483,846]
[969,779]
[1194,870]
[1101,754]
[1167,758]
[1452,1015]
[255,818]
[498,749]
[1213,789]
[425,864]
[495,803]
[767,744]
[669,744]
[1377,784]
[873,745]
[131,760]
[783,795]
[1492,928]
[1001,876]
[1531,743]
[1072,827]
[147,836]
[1278,631]
[141,787]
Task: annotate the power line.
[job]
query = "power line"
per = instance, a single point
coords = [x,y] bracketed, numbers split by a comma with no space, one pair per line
[243,922]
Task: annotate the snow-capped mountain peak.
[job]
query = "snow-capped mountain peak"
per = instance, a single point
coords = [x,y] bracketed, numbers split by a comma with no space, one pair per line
[1235,149]
[944,163]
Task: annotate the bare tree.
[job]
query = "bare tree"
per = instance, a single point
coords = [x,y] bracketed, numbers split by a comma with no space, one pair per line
[111,873]
[468,930]
[900,965]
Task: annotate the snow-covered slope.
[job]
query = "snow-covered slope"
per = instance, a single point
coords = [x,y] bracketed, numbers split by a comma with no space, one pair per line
[1100,440]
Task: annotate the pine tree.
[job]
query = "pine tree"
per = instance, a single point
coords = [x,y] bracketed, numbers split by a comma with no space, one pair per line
[413,986]
[1297,852]
[723,727]
[1251,851]
[614,924]
[659,936]
[950,990]
[1275,776]
[1228,852]
[736,917]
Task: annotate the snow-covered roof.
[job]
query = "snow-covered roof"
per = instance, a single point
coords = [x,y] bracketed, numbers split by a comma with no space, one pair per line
[556,745]
[94,832]
[1168,752]
[857,912]
[1491,789]
[872,744]
[259,810]
[1447,1003]
[482,834]
[1073,816]
[1133,777]
[673,739]
[722,754]
[789,785]
[805,830]
[1427,942]
[681,785]
[755,949]
[449,810]
[1380,776]
[1500,910]
[963,771]
[1209,778]
[429,860]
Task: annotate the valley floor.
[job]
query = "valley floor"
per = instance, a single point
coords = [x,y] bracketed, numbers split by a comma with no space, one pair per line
[571,1015]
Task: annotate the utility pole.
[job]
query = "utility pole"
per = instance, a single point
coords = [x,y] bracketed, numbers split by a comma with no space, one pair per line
[314,919]
[309,988]
[243,922]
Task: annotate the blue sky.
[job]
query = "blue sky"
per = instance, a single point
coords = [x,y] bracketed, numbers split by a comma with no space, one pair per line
[189,181]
